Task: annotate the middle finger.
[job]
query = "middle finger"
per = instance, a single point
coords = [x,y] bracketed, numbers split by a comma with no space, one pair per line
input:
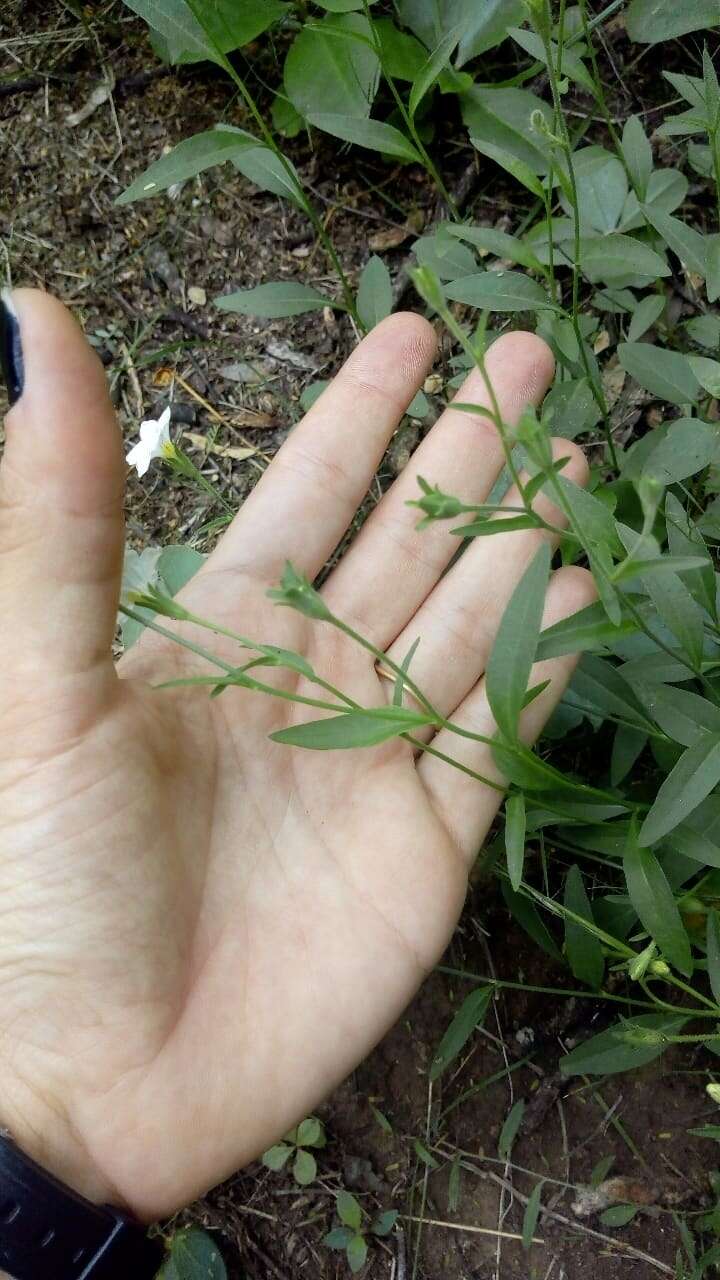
[392,566]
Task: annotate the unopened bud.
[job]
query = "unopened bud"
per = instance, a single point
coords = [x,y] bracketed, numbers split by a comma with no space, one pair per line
[713,1091]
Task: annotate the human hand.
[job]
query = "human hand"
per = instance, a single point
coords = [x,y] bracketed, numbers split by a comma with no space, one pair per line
[204,931]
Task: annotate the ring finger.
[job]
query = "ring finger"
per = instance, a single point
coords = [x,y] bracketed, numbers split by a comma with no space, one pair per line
[457,623]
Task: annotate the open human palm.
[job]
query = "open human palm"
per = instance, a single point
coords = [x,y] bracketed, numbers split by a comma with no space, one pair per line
[204,930]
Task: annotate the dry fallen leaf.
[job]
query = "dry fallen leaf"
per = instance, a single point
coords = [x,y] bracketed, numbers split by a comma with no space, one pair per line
[162,377]
[391,238]
[198,441]
[602,342]
[613,381]
[197,295]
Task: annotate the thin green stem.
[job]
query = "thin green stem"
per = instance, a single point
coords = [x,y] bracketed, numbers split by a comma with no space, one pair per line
[269,140]
[576,993]
[409,122]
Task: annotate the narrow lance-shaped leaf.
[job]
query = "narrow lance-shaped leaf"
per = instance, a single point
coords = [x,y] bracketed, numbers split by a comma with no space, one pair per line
[500,291]
[510,1128]
[352,729]
[667,374]
[429,73]
[468,1018]
[373,134]
[374,299]
[695,775]
[511,660]
[280,298]
[584,951]
[515,837]
[609,1052]
[191,156]
[655,904]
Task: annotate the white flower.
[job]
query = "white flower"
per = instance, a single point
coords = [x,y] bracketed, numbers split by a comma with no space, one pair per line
[154,442]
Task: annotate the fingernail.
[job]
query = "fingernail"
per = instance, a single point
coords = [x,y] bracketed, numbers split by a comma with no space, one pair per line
[11,356]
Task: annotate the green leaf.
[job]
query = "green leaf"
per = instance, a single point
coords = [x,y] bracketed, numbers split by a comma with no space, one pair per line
[648,310]
[572,66]
[680,713]
[468,1018]
[638,153]
[526,914]
[175,21]
[499,243]
[584,951]
[338,1238]
[352,729]
[348,1210]
[650,21]
[532,1211]
[356,1251]
[681,449]
[588,629]
[512,164]
[707,373]
[607,1054]
[695,775]
[654,902]
[310,1133]
[402,55]
[510,1128]
[508,669]
[375,298]
[280,298]
[616,256]
[499,121]
[366,133]
[384,1223]
[191,156]
[432,68]
[224,25]
[677,609]
[193,1256]
[713,952]
[666,374]
[515,837]
[177,565]
[602,187]
[277,1157]
[618,1215]
[482,26]
[304,1168]
[263,167]
[500,291]
[689,245]
[332,66]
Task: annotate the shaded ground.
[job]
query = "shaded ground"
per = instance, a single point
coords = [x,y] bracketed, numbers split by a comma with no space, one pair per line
[136,277]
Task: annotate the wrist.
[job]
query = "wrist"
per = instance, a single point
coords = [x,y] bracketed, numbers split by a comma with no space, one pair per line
[41,1129]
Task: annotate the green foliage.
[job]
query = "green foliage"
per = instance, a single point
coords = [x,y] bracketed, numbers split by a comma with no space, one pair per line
[193,1255]
[605,254]
[293,1150]
[351,1235]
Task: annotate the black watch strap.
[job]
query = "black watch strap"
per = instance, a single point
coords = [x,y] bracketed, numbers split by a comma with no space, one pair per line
[48,1232]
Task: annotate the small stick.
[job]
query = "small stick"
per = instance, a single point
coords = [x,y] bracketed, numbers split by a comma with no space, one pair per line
[462,1226]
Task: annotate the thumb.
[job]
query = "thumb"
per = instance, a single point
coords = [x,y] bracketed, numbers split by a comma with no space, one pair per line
[61,497]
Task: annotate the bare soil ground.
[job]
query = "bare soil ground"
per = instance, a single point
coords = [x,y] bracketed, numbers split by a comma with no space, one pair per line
[136,277]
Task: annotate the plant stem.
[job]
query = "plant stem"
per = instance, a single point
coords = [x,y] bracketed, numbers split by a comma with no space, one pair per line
[269,140]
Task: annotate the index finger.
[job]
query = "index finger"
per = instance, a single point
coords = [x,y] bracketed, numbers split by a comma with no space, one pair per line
[309,494]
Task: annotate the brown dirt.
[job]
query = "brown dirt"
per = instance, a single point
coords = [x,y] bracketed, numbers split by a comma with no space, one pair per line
[127,274]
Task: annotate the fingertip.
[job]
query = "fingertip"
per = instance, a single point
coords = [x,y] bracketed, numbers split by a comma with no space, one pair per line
[571,589]
[411,336]
[531,359]
[577,467]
